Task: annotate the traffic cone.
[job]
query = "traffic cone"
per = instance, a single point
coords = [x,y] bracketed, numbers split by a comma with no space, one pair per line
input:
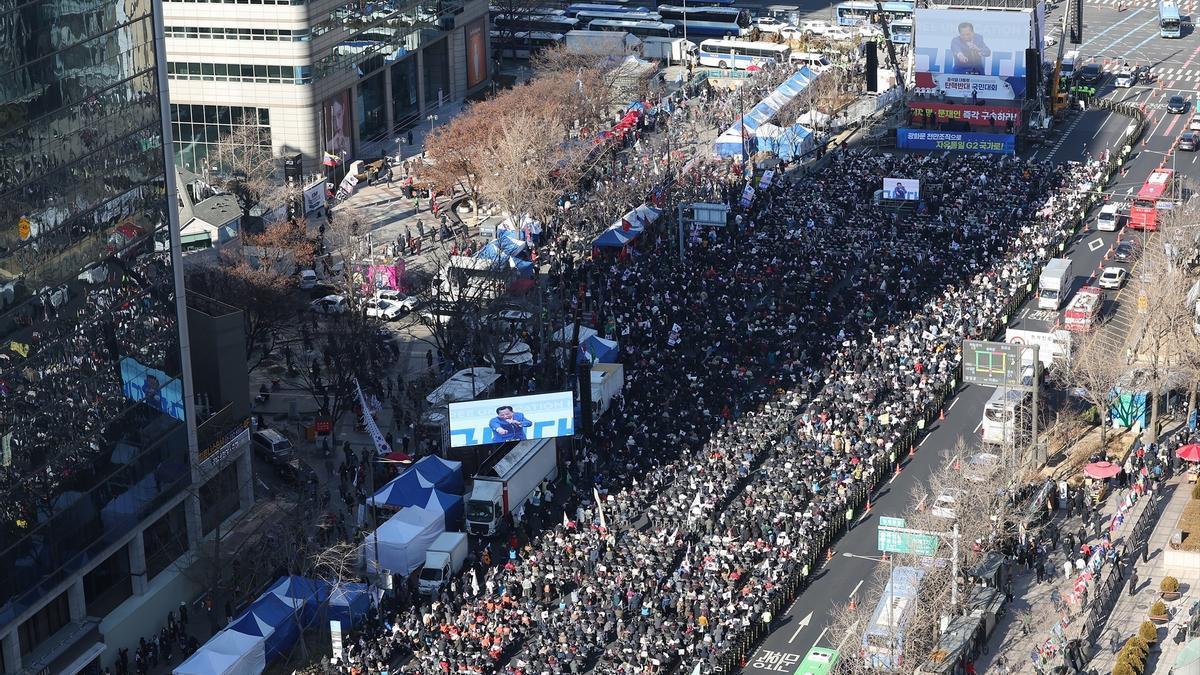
[912,450]
[942,415]
[853,604]
[958,463]
[828,554]
[868,509]
[885,556]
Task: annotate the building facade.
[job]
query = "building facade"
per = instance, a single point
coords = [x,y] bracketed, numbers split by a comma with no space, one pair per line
[319,76]
[102,493]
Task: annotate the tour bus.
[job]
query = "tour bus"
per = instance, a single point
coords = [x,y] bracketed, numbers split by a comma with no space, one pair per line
[678,13]
[1169,19]
[544,23]
[618,14]
[819,661]
[740,54]
[575,9]
[638,28]
[523,45]
[883,640]
[899,16]
[999,424]
[1153,197]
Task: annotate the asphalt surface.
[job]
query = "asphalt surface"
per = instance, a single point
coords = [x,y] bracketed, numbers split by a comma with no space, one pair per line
[1109,35]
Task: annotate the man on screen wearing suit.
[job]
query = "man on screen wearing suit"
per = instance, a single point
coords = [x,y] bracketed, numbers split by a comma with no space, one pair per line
[508,425]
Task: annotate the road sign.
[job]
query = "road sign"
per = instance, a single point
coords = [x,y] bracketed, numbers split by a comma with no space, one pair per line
[889,521]
[991,364]
[892,540]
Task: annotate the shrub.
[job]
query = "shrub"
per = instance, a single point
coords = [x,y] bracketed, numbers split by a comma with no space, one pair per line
[1123,668]
[1170,584]
[1159,608]
[1130,656]
[1146,634]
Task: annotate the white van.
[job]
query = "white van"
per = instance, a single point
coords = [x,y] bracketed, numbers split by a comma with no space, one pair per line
[814,61]
[1109,218]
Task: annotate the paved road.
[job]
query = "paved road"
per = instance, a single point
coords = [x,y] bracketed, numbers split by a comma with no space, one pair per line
[1109,34]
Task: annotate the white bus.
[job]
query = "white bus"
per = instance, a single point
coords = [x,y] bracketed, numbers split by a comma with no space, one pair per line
[1000,419]
[741,54]
[522,45]
[639,28]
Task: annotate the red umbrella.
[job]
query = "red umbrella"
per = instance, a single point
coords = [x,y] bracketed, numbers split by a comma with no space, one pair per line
[397,456]
[753,68]
[1190,452]
[1102,469]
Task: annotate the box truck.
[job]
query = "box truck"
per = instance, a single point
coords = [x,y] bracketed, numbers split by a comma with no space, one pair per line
[443,560]
[1054,284]
[506,481]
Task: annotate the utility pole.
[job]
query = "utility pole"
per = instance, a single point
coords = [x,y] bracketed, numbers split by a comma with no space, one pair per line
[1039,454]
[954,567]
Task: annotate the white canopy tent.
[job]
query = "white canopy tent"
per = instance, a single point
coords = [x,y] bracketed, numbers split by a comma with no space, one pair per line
[227,653]
[403,540]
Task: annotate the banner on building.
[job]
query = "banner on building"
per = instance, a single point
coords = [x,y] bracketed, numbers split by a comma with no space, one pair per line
[477,61]
[335,116]
[975,115]
[961,141]
[314,196]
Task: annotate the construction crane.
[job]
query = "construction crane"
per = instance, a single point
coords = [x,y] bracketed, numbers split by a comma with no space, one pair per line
[1058,98]
[887,40]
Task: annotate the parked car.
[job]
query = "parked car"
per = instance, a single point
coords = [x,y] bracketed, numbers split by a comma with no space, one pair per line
[1091,73]
[307,279]
[1188,140]
[407,302]
[769,24]
[1194,125]
[1127,251]
[1113,278]
[273,447]
[330,305]
[1126,76]
[982,467]
[384,309]
[1177,105]
[814,27]
[944,506]
[297,472]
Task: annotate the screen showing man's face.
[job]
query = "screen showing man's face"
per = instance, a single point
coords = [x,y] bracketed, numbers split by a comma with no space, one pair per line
[505,414]
[966,33]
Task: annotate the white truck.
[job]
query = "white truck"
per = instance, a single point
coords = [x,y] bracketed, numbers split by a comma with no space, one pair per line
[671,50]
[601,42]
[506,481]
[1054,284]
[607,381]
[443,560]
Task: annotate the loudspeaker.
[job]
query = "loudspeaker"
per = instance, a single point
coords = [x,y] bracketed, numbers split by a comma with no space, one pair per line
[1033,72]
[872,67]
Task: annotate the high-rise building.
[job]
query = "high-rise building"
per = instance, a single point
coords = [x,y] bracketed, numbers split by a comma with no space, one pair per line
[318,76]
[101,489]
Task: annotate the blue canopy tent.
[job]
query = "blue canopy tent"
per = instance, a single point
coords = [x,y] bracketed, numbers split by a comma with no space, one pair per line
[596,349]
[504,250]
[444,474]
[450,506]
[628,227]
[407,489]
[729,143]
[348,602]
[786,143]
[299,592]
[280,616]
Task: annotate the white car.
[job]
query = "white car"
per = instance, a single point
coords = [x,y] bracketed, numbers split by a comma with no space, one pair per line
[387,310]
[1194,125]
[307,279]
[1126,77]
[868,31]
[407,302]
[838,34]
[944,505]
[814,27]
[982,467]
[1113,278]
[329,305]
[769,24]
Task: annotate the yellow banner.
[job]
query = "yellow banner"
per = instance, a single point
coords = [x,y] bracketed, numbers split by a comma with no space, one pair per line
[20,348]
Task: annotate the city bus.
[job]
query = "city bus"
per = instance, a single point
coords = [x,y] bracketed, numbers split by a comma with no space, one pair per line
[1169,19]
[883,640]
[549,23]
[578,7]
[740,54]
[728,15]
[638,28]
[818,661]
[523,45]
[1154,196]
[901,31]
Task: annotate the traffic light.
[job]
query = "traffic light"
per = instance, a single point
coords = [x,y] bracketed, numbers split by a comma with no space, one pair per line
[1077,25]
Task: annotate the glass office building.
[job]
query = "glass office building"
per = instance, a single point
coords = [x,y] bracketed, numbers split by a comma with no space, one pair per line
[94,439]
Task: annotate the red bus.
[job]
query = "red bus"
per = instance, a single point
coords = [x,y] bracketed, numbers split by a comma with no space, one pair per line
[1155,195]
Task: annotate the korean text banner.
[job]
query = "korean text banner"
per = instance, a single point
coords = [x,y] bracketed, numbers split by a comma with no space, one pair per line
[965,141]
[975,115]
[513,418]
[963,50]
[902,188]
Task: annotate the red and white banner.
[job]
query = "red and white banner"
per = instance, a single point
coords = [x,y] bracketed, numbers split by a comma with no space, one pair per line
[976,115]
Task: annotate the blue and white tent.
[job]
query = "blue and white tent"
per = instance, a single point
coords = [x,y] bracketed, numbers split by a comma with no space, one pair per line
[444,474]
[628,227]
[596,349]
[229,652]
[729,143]
[349,602]
[407,489]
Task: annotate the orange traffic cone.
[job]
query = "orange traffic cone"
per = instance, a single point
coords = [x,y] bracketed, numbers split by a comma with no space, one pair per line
[853,604]
[868,509]
[912,450]
[942,415]
[828,554]
[885,556]
[958,463]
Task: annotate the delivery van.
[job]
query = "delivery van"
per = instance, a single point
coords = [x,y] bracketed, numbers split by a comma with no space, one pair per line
[1109,218]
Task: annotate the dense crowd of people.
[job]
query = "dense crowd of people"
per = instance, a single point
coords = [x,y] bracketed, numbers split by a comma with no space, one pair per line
[771,375]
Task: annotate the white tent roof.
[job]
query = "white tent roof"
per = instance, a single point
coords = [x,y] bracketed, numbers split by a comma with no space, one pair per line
[404,539]
[226,653]
[568,331]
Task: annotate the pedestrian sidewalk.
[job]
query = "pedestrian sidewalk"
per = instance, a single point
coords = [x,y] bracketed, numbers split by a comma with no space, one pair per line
[1133,605]
[1033,624]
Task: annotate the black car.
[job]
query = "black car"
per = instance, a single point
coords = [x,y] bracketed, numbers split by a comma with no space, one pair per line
[1091,73]
[1177,104]
[1188,140]
[1127,251]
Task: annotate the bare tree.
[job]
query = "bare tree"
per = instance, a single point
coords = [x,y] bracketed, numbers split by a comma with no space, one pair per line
[1092,372]
[245,167]
[1166,335]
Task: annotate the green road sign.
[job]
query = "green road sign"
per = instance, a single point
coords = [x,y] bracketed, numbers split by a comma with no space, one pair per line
[892,540]
[991,364]
[889,521]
